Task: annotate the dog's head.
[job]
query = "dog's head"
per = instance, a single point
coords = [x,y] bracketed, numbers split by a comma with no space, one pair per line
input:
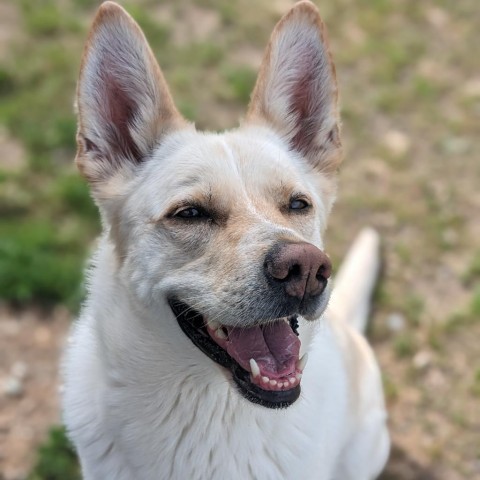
[225,228]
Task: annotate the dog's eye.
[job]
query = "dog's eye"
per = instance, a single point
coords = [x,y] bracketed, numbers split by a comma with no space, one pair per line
[298,204]
[191,212]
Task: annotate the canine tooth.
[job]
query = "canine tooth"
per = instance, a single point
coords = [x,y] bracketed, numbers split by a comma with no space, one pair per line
[219,333]
[214,325]
[254,368]
[292,380]
[265,380]
[298,376]
[273,383]
[302,362]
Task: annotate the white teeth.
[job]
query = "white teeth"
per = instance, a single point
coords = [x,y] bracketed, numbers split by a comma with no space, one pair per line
[254,368]
[214,325]
[219,333]
[274,383]
[302,362]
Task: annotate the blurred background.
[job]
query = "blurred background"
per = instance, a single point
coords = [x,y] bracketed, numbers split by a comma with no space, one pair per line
[410,92]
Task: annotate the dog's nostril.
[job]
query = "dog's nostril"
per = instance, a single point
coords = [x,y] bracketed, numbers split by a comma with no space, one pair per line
[294,272]
[325,269]
[322,273]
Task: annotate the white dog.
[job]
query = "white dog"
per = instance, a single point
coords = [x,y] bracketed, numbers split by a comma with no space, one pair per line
[210,284]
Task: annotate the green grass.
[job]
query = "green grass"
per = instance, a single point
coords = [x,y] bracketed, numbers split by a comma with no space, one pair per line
[240,81]
[35,264]
[43,250]
[390,389]
[56,459]
[47,219]
[404,345]
[472,273]
[476,383]
[475,303]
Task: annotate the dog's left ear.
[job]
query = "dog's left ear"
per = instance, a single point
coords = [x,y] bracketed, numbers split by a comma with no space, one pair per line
[296,89]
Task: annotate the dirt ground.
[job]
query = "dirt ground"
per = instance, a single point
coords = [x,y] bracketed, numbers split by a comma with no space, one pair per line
[31,342]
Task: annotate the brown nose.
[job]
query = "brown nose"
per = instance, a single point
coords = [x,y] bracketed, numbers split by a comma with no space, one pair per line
[302,268]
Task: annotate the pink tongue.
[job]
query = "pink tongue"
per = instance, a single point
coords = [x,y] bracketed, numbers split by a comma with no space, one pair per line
[274,347]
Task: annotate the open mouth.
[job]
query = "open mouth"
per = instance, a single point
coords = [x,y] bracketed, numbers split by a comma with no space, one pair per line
[264,359]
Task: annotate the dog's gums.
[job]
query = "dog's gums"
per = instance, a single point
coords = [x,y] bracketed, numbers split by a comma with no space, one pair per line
[264,359]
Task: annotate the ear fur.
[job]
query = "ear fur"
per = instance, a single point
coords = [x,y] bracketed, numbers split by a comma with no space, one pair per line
[124,105]
[296,89]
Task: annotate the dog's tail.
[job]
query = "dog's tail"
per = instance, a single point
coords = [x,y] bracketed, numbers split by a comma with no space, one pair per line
[356,280]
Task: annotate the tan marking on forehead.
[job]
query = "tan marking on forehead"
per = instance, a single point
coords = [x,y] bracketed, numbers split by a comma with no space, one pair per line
[247,223]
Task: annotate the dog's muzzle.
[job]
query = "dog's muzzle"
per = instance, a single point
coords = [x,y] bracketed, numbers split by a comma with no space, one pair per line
[264,356]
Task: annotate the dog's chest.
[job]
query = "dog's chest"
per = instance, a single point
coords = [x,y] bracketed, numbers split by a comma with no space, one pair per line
[210,432]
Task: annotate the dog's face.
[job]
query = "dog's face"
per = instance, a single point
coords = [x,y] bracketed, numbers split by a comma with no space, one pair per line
[226,228]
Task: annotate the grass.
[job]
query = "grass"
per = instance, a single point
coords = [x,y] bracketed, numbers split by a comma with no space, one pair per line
[42,252]
[476,383]
[404,345]
[240,83]
[56,459]
[48,219]
[472,272]
[36,264]
[475,303]
[390,389]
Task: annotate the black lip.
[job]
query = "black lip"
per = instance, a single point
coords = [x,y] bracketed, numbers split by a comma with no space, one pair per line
[192,324]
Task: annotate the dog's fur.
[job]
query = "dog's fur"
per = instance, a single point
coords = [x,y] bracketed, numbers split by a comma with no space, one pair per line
[141,400]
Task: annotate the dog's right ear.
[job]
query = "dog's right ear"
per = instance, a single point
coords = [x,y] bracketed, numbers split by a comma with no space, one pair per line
[124,106]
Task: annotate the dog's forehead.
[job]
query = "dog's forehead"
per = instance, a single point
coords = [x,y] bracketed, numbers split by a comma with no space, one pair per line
[246,160]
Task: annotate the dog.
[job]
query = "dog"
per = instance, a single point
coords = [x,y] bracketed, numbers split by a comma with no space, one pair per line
[210,285]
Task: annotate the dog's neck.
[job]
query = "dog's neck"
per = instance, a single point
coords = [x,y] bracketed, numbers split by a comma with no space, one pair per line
[176,403]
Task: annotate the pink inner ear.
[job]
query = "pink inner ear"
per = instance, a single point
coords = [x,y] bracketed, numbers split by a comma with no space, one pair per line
[120,111]
[309,97]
